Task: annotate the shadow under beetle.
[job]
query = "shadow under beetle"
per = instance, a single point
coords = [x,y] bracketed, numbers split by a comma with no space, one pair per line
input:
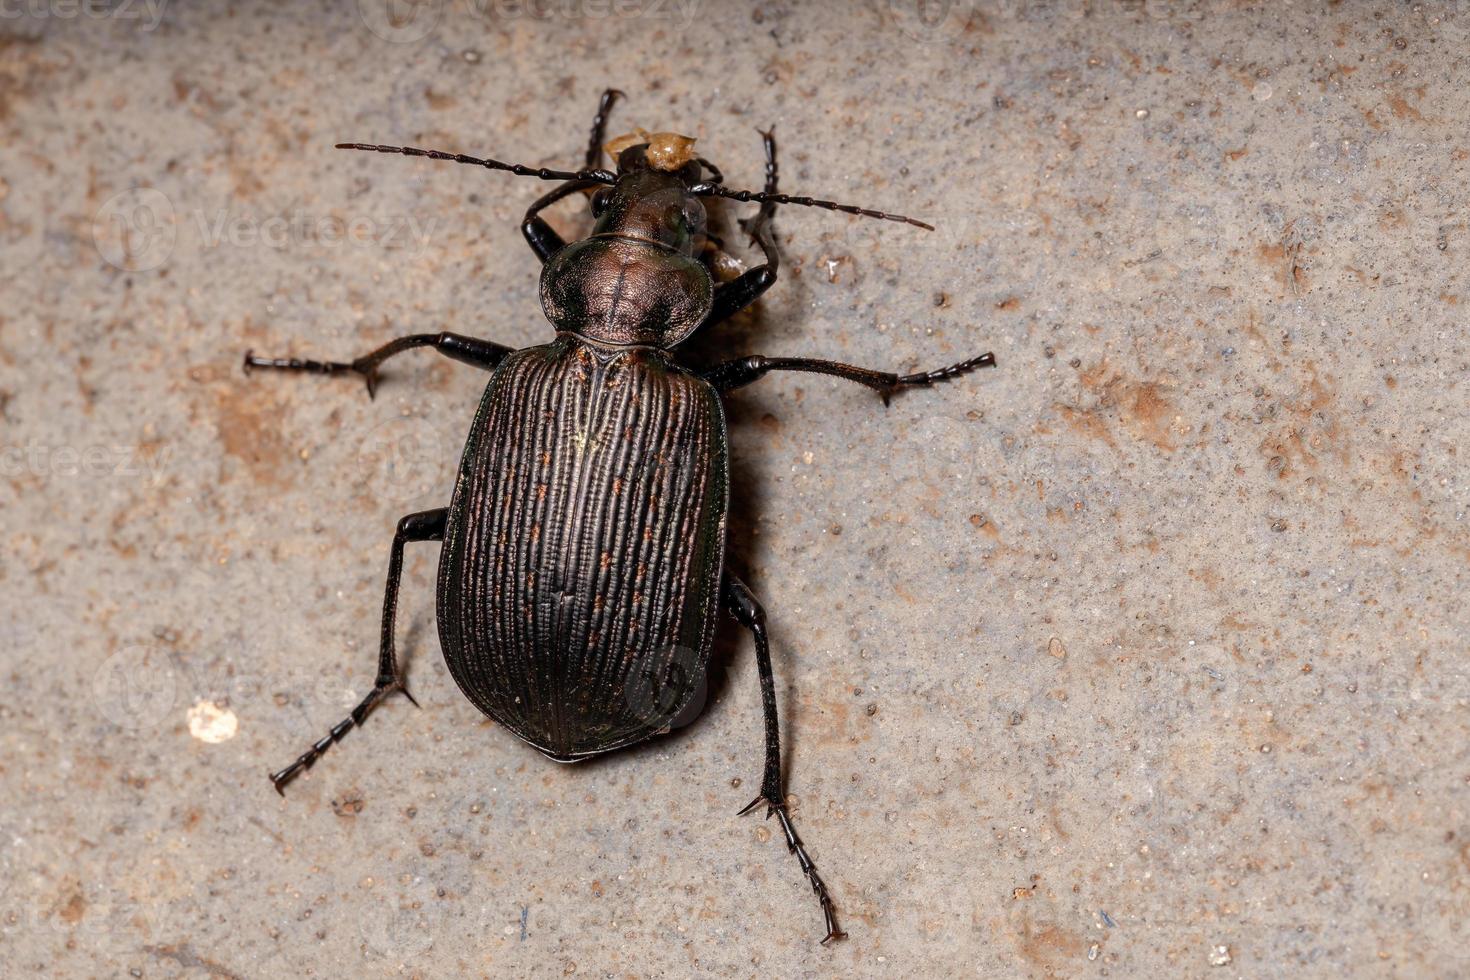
[584,544]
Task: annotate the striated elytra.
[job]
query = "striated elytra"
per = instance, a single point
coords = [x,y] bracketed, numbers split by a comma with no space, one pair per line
[583,560]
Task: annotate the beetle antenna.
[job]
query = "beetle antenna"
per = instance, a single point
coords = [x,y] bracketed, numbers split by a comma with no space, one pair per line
[599,176]
[715,190]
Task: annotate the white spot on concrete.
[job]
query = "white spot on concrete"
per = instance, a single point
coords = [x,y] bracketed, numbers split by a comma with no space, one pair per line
[210,723]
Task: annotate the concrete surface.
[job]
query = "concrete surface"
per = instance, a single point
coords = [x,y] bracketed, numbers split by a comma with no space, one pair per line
[1141,656]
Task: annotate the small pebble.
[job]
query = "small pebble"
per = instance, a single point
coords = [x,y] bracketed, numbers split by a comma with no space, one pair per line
[211,723]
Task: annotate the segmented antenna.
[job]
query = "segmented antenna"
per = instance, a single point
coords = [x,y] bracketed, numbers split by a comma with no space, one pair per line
[597,176]
[712,189]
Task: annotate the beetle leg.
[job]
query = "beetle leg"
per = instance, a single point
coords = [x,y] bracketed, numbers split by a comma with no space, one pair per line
[599,126]
[542,238]
[425,526]
[743,370]
[469,350]
[754,226]
[736,295]
[748,612]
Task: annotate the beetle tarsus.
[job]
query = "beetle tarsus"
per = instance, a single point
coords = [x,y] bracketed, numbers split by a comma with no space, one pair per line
[308,758]
[808,866]
[362,366]
[296,363]
[945,373]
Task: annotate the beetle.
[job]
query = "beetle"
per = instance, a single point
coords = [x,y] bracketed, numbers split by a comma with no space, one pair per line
[583,561]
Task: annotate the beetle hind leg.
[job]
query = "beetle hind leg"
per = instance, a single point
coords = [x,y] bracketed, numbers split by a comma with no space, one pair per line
[425,526]
[748,612]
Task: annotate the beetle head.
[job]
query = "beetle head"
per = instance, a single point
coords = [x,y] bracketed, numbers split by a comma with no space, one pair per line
[635,278]
[650,200]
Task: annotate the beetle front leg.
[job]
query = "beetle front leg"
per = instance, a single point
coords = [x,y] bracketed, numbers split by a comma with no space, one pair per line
[732,297]
[599,126]
[425,526]
[744,370]
[468,350]
[748,612]
[542,238]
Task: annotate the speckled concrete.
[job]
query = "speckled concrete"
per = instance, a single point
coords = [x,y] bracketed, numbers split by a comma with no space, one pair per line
[1141,656]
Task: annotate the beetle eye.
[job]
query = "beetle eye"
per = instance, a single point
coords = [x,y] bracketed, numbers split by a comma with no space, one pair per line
[599,202]
[694,216]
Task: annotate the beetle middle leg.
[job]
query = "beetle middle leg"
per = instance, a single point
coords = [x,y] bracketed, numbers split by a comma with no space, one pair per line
[468,350]
[744,370]
[748,612]
[424,526]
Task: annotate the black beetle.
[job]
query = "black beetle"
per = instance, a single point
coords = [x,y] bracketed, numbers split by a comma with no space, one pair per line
[583,559]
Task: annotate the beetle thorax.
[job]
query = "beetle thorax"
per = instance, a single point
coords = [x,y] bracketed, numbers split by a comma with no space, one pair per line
[634,280]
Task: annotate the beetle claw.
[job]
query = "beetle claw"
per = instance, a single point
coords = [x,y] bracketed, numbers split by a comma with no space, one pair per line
[770,807]
[370,376]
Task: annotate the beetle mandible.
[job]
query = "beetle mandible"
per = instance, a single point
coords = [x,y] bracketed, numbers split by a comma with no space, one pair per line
[583,559]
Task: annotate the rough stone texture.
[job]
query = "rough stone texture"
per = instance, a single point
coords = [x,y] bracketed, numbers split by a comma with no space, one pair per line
[1150,642]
